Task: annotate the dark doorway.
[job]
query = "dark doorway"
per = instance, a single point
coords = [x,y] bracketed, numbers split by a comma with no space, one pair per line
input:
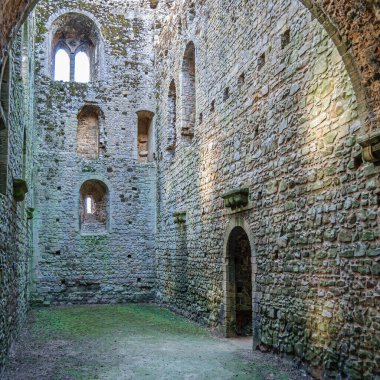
[240,283]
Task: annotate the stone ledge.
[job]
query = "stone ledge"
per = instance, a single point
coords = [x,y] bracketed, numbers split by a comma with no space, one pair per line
[371,146]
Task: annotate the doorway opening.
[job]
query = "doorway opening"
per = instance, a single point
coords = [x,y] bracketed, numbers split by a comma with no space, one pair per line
[239,284]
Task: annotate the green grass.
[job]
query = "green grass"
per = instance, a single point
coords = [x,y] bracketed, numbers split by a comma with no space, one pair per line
[101,320]
[131,342]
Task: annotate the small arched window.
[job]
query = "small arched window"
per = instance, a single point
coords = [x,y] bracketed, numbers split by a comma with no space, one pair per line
[94,200]
[145,136]
[172,117]
[188,93]
[62,66]
[82,67]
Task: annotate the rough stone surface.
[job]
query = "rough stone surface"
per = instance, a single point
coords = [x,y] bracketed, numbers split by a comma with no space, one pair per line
[352,23]
[15,228]
[107,257]
[277,110]
[286,130]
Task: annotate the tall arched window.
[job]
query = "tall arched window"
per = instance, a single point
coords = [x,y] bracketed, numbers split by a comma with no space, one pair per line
[188,98]
[62,66]
[172,117]
[4,110]
[76,48]
[82,67]
[145,136]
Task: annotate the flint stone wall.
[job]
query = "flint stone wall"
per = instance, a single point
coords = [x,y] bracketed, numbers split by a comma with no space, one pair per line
[281,121]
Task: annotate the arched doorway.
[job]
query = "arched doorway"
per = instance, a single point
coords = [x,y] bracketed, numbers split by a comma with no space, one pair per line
[239,311]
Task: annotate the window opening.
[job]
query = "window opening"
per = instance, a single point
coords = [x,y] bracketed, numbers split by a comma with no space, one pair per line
[89,206]
[94,201]
[76,47]
[172,117]
[188,91]
[82,68]
[145,136]
[62,66]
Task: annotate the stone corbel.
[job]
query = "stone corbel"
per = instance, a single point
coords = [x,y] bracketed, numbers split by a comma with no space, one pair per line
[179,217]
[20,188]
[371,146]
[29,213]
[237,198]
[187,131]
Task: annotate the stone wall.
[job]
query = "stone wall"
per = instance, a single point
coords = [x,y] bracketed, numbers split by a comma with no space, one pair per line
[279,119]
[110,259]
[15,225]
[352,23]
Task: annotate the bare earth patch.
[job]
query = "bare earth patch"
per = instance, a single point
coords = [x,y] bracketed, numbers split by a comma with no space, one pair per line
[133,342]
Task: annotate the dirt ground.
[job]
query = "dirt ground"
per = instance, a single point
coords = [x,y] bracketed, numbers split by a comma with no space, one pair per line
[133,342]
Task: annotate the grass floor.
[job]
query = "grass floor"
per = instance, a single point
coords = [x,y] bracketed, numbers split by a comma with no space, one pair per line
[133,342]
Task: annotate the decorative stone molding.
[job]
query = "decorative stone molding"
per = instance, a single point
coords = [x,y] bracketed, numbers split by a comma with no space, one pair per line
[20,188]
[179,217]
[236,198]
[371,146]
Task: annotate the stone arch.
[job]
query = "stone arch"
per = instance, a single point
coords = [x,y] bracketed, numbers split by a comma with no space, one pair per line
[352,25]
[94,207]
[344,48]
[76,32]
[145,136]
[188,90]
[237,223]
[172,117]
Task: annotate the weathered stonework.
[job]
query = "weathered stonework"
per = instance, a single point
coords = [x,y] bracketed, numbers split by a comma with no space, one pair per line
[189,100]
[281,119]
[353,24]
[15,228]
[83,257]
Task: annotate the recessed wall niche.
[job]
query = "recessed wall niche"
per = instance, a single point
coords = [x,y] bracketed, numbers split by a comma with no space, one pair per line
[145,136]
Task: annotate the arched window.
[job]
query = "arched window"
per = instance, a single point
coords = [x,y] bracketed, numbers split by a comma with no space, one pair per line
[144,136]
[172,117]
[94,207]
[4,110]
[88,132]
[62,66]
[82,67]
[76,48]
[188,98]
